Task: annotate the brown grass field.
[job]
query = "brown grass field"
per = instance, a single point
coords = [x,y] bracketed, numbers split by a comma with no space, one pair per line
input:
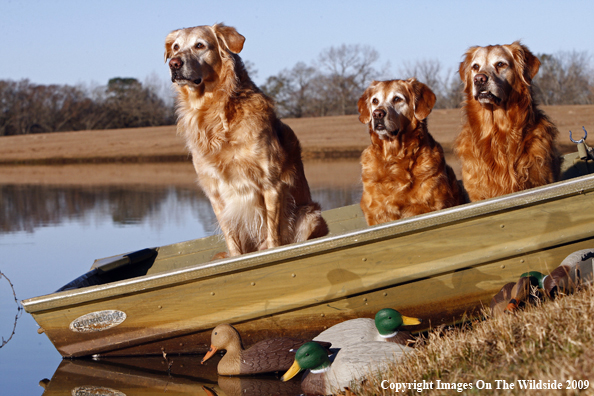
[157,155]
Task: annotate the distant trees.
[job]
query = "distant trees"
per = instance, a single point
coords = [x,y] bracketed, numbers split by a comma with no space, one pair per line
[123,103]
[331,85]
[445,84]
[565,78]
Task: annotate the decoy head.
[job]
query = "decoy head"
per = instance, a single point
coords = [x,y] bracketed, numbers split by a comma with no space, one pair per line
[388,320]
[536,278]
[522,289]
[310,356]
[224,336]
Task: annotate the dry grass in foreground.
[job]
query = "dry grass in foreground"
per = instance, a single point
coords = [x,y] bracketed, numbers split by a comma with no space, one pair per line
[552,341]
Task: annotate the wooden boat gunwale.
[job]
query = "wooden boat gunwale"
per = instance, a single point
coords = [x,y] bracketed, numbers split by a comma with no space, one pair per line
[325,245]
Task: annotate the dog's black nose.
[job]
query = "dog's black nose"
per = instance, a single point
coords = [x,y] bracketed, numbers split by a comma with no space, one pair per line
[481,78]
[176,63]
[378,114]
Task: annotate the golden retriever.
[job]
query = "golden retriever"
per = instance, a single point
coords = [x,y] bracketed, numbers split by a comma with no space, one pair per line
[247,161]
[404,171]
[507,144]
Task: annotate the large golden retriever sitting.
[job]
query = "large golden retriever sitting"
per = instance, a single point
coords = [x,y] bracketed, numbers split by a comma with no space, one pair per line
[248,162]
[404,171]
[507,144]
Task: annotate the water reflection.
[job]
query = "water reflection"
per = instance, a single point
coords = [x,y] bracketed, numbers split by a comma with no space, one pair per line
[178,375]
[27,207]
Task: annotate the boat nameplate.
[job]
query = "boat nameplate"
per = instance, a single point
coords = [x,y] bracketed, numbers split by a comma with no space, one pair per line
[97,321]
[95,390]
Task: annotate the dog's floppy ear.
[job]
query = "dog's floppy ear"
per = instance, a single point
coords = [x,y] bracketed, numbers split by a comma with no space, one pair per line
[363,104]
[169,42]
[229,36]
[465,65]
[525,61]
[424,98]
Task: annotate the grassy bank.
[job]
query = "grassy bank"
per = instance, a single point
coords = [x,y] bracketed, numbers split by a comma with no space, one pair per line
[548,342]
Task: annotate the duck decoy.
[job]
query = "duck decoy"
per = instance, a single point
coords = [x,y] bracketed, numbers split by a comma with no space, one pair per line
[575,270]
[263,357]
[385,327]
[325,377]
[501,299]
[522,290]
[512,295]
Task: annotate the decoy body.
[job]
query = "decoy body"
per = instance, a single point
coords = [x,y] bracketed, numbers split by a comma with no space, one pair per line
[263,357]
[501,299]
[385,327]
[512,295]
[575,270]
[350,363]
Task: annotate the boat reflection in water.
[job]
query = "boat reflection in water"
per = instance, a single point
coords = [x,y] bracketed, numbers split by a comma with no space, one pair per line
[175,375]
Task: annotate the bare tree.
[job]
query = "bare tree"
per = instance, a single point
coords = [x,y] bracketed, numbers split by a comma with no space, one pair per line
[347,71]
[293,91]
[445,84]
[564,78]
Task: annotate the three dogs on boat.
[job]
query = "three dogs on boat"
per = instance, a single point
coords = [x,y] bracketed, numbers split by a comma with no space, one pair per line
[248,162]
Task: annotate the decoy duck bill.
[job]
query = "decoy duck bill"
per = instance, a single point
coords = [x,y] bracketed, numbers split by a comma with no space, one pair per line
[209,354]
[291,372]
[407,321]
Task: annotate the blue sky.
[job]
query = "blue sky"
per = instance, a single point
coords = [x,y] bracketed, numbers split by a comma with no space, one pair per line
[71,42]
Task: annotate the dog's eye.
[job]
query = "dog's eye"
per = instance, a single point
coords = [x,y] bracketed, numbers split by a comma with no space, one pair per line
[176,47]
[396,99]
[475,66]
[375,101]
[500,65]
[199,45]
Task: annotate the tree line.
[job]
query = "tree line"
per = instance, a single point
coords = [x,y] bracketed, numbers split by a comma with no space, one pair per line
[331,84]
[123,103]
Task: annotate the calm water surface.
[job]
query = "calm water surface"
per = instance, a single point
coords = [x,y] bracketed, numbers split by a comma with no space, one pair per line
[51,234]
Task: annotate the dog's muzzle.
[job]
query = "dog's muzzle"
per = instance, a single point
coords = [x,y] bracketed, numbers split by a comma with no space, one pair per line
[379,116]
[482,91]
[175,67]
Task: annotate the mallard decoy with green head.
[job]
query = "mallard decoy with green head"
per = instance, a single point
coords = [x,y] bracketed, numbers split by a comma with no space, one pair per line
[351,363]
[385,327]
[512,295]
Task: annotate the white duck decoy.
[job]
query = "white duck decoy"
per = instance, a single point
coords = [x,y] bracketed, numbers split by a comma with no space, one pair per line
[351,363]
[385,327]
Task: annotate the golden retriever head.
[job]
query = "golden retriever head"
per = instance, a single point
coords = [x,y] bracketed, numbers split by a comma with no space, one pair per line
[492,74]
[198,55]
[395,107]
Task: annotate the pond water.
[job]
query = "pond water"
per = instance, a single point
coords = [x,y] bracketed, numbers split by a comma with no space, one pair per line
[52,233]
